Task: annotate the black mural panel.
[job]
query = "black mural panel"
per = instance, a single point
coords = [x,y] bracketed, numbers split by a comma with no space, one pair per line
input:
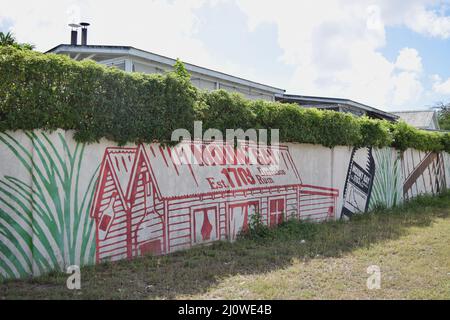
[359,182]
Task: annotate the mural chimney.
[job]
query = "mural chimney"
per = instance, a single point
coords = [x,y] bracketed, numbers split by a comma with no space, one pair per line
[74,34]
[84,26]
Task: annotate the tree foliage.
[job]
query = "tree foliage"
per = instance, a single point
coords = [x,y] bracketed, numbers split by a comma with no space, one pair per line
[8,39]
[40,91]
[444,115]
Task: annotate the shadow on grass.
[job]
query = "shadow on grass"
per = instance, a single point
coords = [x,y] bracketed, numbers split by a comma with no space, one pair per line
[194,271]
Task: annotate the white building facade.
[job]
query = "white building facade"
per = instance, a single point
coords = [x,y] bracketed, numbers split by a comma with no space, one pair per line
[130,59]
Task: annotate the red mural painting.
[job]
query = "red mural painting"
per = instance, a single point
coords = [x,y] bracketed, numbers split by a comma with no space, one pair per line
[149,200]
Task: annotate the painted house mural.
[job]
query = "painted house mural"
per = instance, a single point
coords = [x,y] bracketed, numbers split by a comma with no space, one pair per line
[64,203]
[149,201]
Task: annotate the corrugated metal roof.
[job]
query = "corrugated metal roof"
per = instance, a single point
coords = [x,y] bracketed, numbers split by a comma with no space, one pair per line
[419,119]
[318,101]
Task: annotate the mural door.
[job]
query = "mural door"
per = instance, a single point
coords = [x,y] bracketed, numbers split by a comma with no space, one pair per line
[149,233]
[276,211]
[205,225]
[239,217]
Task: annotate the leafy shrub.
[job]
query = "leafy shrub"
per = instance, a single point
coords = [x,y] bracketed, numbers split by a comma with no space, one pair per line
[47,92]
[445,141]
[405,136]
[39,91]
[307,125]
[256,228]
[375,133]
[223,110]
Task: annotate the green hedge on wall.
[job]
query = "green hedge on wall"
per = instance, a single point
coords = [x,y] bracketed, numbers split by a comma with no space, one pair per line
[39,91]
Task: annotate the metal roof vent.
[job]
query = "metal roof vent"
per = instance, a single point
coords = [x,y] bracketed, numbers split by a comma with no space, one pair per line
[74,33]
[84,26]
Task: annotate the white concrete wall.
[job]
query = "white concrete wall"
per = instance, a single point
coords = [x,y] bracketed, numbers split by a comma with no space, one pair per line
[54,201]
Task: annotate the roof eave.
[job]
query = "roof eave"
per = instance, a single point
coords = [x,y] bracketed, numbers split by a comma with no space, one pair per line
[341,101]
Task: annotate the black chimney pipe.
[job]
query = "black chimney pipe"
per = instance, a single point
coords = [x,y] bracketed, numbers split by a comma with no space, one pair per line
[84,26]
[74,34]
[73,38]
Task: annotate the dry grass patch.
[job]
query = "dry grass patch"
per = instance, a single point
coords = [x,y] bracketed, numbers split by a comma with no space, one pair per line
[410,244]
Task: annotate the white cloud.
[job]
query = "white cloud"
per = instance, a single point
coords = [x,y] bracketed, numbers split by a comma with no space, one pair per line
[428,22]
[409,60]
[374,22]
[440,86]
[335,45]
[407,88]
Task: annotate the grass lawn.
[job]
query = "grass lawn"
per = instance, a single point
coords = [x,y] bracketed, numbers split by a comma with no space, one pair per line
[411,245]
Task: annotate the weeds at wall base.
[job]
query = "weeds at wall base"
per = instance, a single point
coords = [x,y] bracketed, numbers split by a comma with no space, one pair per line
[194,272]
[305,230]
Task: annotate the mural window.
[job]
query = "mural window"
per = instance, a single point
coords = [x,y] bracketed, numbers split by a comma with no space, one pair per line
[239,217]
[205,225]
[276,211]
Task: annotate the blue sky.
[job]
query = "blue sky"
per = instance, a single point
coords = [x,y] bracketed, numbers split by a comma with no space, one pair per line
[435,55]
[435,52]
[391,54]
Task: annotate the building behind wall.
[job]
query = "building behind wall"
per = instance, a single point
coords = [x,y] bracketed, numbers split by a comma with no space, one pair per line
[337,104]
[422,119]
[135,60]
[131,59]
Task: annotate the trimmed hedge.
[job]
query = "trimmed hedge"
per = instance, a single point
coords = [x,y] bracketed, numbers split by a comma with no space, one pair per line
[39,91]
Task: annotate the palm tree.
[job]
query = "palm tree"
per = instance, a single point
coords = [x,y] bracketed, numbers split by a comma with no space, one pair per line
[7,39]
